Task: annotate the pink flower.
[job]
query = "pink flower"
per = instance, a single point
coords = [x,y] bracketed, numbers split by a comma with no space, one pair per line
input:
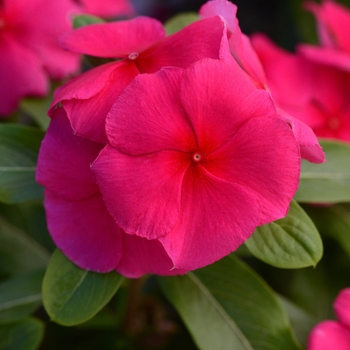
[140,46]
[90,237]
[106,8]
[315,93]
[333,21]
[77,217]
[197,159]
[245,55]
[29,52]
[334,334]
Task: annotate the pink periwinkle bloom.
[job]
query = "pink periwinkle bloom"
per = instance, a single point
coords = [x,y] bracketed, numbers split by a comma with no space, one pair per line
[329,335]
[106,8]
[135,46]
[29,50]
[242,50]
[196,160]
[90,237]
[333,21]
[315,93]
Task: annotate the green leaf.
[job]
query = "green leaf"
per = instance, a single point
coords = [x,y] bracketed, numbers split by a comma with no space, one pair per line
[334,221]
[84,20]
[19,147]
[71,295]
[37,109]
[18,251]
[328,182]
[228,306]
[24,335]
[20,296]
[292,242]
[180,21]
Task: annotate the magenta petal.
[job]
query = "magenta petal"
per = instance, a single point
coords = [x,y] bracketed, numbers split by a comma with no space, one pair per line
[148,116]
[84,231]
[310,148]
[262,157]
[324,55]
[183,48]
[115,39]
[216,218]
[107,8]
[142,193]
[64,160]
[224,100]
[17,81]
[342,307]
[142,256]
[329,335]
[88,116]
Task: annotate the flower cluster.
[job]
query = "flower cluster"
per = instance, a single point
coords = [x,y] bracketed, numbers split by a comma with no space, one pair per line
[29,51]
[313,84]
[176,150]
[334,334]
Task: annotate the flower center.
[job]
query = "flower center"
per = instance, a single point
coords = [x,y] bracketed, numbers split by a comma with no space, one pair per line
[197,157]
[133,56]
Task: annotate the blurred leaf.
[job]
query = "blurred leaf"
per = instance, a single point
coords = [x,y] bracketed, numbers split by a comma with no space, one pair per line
[302,322]
[37,109]
[180,21]
[291,242]
[18,251]
[24,335]
[334,221]
[228,306]
[19,147]
[71,295]
[20,296]
[328,182]
[84,20]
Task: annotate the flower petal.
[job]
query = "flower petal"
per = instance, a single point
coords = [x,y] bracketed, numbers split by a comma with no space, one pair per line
[184,48]
[84,231]
[262,157]
[142,193]
[216,217]
[88,116]
[218,98]
[64,160]
[148,116]
[342,307]
[329,335]
[115,39]
[16,80]
[107,8]
[142,256]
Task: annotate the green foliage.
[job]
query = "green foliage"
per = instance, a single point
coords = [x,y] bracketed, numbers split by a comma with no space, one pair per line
[23,335]
[71,295]
[37,109]
[20,296]
[19,253]
[84,20]
[180,21]
[19,146]
[328,182]
[292,242]
[228,306]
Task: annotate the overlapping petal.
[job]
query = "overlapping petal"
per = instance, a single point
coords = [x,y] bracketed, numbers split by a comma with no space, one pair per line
[84,231]
[218,99]
[143,192]
[216,217]
[144,120]
[64,160]
[329,335]
[342,307]
[107,8]
[115,39]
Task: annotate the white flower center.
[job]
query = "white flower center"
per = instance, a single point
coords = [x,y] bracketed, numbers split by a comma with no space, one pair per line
[133,56]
